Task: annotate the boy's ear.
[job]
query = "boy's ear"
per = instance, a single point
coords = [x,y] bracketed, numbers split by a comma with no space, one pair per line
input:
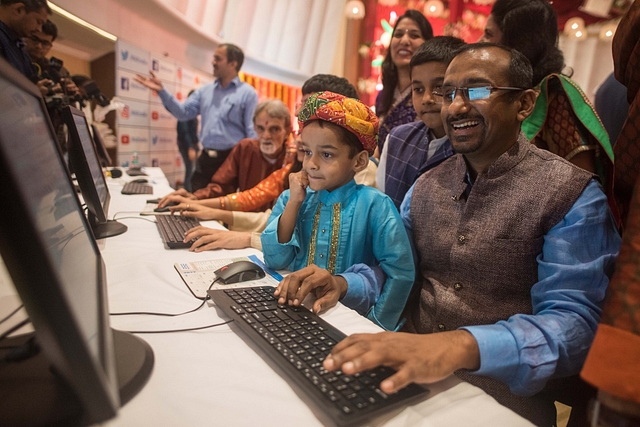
[361,161]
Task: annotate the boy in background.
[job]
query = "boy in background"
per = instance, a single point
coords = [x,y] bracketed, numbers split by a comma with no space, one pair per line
[343,241]
[414,148]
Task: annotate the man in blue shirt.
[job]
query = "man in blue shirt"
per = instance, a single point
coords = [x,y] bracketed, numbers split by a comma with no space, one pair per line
[226,107]
[18,19]
[514,250]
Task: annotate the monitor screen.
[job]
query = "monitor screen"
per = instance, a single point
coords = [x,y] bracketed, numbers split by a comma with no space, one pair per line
[86,165]
[54,262]
[105,159]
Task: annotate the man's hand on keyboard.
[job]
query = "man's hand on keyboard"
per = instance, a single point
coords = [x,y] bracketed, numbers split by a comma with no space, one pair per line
[177,196]
[296,286]
[209,239]
[419,359]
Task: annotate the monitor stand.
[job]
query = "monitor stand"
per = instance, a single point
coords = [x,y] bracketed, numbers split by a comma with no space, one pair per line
[32,395]
[102,230]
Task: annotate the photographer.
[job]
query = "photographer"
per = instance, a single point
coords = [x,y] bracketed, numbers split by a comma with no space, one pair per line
[20,18]
[52,78]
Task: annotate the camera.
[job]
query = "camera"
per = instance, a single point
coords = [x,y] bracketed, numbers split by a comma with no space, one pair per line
[93,92]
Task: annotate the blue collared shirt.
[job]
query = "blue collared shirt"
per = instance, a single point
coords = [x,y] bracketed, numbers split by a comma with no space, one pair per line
[12,49]
[227,113]
[372,253]
[577,259]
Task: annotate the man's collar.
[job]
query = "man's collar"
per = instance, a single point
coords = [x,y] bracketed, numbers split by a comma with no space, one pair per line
[510,158]
[235,81]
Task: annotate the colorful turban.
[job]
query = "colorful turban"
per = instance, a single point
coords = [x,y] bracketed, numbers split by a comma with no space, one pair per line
[348,113]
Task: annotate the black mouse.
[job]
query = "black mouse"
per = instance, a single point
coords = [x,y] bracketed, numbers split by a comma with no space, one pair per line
[140,181]
[239,271]
[166,208]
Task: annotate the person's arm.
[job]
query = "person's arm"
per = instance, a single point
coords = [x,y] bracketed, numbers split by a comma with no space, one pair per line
[612,363]
[225,180]
[391,248]
[577,259]
[188,110]
[264,192]
[277,255]
[298,183]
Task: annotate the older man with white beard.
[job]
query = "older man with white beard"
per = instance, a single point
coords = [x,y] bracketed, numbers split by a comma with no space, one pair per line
[251,160]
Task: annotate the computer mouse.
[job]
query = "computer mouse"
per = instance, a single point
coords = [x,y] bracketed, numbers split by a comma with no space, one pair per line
[140,181]
[239,271]
[166,208]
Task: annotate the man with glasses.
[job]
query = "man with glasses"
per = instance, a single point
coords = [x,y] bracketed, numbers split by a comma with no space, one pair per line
[38,46]
[514,249]
[20,19]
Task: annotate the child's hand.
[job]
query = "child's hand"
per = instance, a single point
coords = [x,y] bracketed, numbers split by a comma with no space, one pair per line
[296,286]
[298,183]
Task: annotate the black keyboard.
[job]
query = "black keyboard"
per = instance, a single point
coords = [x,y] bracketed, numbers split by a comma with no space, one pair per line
[136,188]
[298,340]
[172,229]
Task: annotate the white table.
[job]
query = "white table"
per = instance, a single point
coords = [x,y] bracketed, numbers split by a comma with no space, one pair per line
[212,376]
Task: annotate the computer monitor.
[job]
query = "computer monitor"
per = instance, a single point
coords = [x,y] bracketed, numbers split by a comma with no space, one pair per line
[85,164]
[81,371]
[101,148]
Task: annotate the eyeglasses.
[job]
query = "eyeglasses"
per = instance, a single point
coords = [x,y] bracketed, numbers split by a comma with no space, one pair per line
[448,93]
[46,44]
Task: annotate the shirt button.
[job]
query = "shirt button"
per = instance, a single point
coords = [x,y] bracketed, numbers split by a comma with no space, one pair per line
[321,256]
[461,238]
[323,231]
[441,327]
[457,286]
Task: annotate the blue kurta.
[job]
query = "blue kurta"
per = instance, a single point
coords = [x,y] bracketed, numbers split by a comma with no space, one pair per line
[371,234]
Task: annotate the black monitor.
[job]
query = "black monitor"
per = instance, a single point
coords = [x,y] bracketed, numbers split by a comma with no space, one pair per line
[76,370]
[101,148]
[85,164]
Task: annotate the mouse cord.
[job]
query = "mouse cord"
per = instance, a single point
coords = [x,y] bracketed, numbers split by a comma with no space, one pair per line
[131,217]
[14,328]
[181,330]
[11,314]
[204,300]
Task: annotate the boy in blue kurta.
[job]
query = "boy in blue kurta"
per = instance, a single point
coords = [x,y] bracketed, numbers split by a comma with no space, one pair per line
[342,241]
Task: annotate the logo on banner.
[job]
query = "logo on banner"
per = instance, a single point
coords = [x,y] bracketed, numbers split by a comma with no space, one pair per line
[125,112]
[124,83]
[154,139]
[125,139]
[155,65]
[154,115]
[125,54]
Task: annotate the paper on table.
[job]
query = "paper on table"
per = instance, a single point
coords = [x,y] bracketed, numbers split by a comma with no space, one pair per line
[199,275]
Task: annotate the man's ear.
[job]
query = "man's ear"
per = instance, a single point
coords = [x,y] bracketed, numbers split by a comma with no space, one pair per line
[527,103]
[361,161]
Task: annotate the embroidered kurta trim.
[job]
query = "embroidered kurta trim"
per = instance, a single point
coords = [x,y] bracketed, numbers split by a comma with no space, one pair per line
[335,231]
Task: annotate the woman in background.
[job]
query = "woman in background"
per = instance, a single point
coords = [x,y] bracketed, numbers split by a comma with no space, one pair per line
[564,120]
[393,103]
